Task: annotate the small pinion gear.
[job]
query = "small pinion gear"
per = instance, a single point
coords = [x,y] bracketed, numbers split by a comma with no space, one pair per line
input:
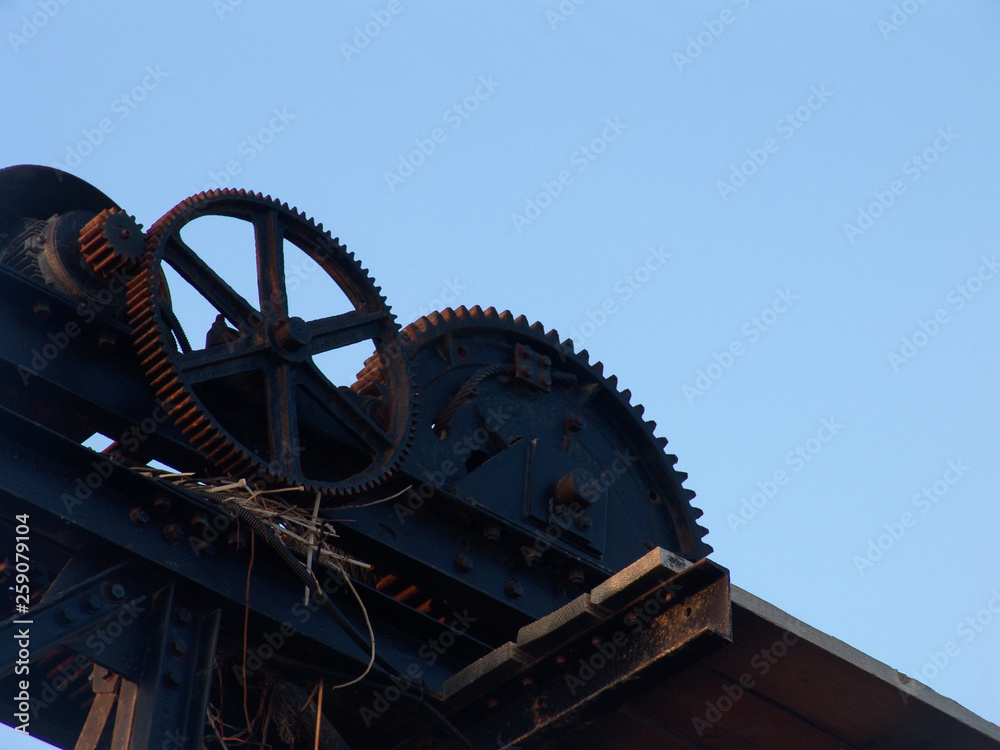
[112,242]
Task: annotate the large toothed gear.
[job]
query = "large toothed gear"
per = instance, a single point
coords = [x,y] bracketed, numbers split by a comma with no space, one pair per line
[112,243]
[252,400]
[504,405]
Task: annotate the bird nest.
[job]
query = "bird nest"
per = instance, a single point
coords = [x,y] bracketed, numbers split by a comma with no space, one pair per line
[298,528]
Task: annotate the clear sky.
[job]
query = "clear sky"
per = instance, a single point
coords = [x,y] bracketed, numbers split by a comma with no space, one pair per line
[775,222]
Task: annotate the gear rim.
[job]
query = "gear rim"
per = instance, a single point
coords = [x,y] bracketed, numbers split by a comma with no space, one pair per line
[684,515]
[159,356]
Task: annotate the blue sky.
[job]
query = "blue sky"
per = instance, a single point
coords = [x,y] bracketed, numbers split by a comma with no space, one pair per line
[775,222]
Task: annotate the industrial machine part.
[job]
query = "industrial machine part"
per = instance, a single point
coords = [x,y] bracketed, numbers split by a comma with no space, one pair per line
[525,431]
[252,400]
[519,488]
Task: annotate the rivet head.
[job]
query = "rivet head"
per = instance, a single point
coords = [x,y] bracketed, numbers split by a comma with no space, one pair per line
[174,678]
[173,533]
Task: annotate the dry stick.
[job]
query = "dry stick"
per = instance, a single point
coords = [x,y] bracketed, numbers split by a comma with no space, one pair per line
[319,712]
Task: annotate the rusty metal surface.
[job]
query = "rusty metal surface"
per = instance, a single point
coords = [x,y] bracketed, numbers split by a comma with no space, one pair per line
[253,401]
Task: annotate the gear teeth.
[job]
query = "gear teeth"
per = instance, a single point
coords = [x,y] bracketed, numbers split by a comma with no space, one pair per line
[157,350]
[112,243]
[429,329]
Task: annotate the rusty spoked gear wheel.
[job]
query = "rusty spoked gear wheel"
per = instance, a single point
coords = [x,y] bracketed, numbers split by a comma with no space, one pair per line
[490,384]
[253,400]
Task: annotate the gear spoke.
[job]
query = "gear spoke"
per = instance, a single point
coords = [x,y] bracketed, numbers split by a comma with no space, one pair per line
[198,274]
[269,240]
[346,329]
[342,407]
[222,361]
[254,393]
[282,420]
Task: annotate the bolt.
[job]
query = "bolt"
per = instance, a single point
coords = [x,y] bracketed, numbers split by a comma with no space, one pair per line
[237,540]
[200,521]
[161,504]
[532,555]
[173,533]
[92,603]
[139,516]
[649,545]
[492,703]
[106,341]
[574,423]
[179,648]
[492,533]
[124,234]
[67,615]
[595,641]
[576,577]
[174,678]
[183,617]
[463,563]
[41,309]
[116,593]
[203,548]
[527,682]
[513,589]
[560,511]
[545,360]
[560,661]
[584,523]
